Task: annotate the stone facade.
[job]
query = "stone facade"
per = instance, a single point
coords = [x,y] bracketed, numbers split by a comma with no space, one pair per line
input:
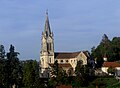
[66,60]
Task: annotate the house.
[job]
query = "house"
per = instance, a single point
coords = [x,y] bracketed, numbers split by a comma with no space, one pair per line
[114,65]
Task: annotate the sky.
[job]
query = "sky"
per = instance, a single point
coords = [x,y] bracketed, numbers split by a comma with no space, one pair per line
[77,25]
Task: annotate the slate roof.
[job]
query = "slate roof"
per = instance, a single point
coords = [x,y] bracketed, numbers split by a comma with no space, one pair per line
[111,64]
[66,55]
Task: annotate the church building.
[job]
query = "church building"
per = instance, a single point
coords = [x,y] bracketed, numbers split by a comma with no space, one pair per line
[48,56]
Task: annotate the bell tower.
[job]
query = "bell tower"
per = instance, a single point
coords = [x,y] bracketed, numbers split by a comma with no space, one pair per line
[47,47]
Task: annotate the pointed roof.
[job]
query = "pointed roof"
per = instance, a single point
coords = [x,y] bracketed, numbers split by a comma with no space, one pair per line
[47,30]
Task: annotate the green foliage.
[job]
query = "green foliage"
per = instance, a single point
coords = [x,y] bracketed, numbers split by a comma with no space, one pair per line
[107,48]
[103,82]
[22,74]
[70,72]
[3,74]
[2,52]
[111,70]
[55,69]
[31,74]
[82,75]
[60,76]
[13,67]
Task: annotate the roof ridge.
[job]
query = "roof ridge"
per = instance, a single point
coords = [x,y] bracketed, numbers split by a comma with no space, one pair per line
[69,52]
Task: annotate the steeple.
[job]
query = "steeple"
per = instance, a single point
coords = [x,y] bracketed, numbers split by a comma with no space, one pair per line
[47,30]
[47,47]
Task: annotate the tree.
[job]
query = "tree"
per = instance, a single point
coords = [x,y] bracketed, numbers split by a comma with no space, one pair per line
[70,72]
[13,67]
[102,50]
[111,70]
[2,52]
[28,74]
[59,76]
[82,73]
[3,74]
[115,48]
[2,67]
[31,75]
[55,69]
[108,49]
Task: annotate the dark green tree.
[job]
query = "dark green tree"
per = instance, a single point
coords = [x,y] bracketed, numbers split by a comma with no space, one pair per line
[14,70]
[3,74]
[31,75]
[102,50]
[2,67]
[107,48]
[2,52]
[70,72]
[59,76]
[111,70]
[82,74]
[55,69]
[115,54]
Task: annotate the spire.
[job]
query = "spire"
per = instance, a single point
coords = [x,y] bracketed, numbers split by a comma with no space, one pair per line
[47,30]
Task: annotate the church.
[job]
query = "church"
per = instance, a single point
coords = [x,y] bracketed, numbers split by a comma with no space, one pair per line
[48,56]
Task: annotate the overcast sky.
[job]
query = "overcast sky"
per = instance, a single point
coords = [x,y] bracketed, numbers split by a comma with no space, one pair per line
[77,24]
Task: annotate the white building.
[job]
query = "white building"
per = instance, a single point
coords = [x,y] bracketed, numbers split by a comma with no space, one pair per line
[66,60]
[113,65]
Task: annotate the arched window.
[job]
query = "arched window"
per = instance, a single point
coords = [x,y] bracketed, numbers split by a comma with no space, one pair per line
[49,46]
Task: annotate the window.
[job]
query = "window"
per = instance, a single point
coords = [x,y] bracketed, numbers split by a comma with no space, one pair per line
[42,61]
[49,46]
[50,60]
[67,61]
[61,61]
[57,60]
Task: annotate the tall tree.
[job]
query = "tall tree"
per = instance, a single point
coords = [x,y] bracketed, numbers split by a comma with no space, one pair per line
[2,52]
[115,48]
[102,50]
[31,75]
[59,76]
[107,48]
[82,73]
[2,67]
[13,67]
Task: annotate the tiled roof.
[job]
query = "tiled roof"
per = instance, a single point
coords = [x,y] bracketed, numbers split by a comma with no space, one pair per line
[62,65]
[65,55]
[111,64]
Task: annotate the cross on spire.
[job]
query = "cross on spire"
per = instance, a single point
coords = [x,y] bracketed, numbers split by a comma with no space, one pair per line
[47,12]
